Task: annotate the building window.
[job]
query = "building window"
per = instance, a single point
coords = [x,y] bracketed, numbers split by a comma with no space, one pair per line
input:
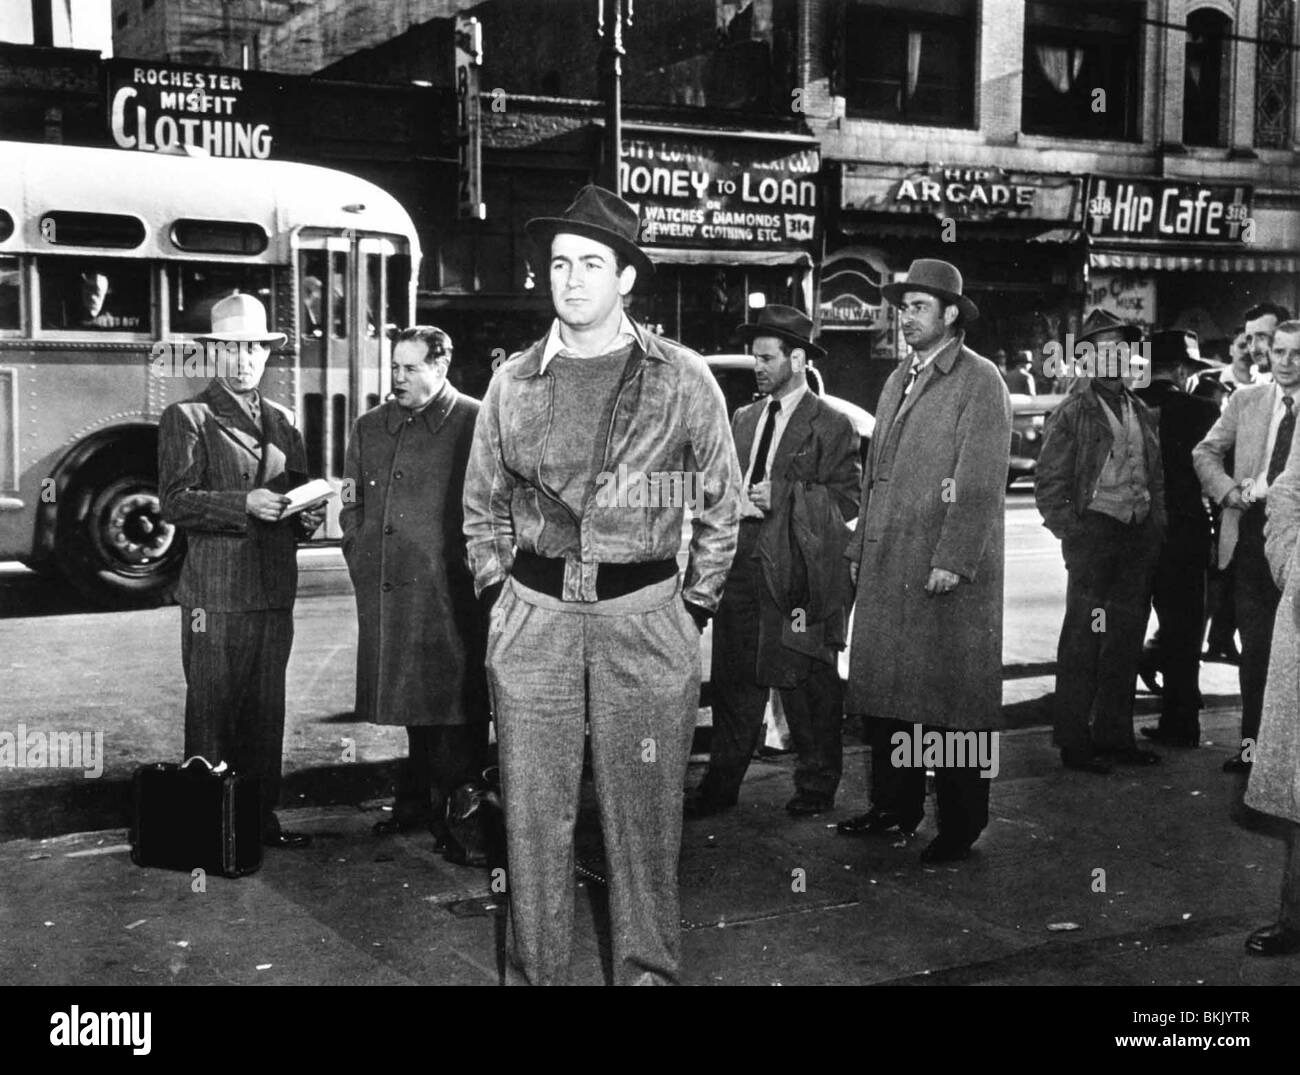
[1273,75]
[1081,69]
[910,62]
[1207,79]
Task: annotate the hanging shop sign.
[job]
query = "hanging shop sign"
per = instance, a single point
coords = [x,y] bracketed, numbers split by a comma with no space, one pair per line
[850,295]
[960,193]
[732,193]
[167,107]
[1153,209]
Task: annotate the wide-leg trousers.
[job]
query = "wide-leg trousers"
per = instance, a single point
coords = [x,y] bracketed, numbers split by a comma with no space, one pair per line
[630,668]
[235,665]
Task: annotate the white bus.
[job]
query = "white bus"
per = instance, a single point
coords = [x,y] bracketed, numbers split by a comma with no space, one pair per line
[110,261]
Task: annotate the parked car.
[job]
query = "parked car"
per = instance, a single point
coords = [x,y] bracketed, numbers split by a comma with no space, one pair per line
[1028,415]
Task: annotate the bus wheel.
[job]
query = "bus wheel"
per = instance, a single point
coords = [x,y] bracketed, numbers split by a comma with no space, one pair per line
[113,545]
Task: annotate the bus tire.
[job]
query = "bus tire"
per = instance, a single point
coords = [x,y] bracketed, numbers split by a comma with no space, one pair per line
[112,545]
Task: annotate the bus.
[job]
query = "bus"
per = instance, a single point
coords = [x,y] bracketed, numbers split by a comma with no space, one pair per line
[110,262]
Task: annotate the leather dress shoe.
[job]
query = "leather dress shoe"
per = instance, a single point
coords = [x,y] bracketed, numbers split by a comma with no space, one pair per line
[1086,763]
[701,806]
[1170,740]
[285,839]
[1134,756]
[1236,764]
[945,849]
[805,805]
[1274,940]
[876,822]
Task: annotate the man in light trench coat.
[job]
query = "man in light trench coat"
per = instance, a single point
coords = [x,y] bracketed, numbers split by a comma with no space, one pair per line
[927,565]
[420,634]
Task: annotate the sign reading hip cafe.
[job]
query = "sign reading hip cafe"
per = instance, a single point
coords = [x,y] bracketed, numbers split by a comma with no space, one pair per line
[741,194]
[166,107]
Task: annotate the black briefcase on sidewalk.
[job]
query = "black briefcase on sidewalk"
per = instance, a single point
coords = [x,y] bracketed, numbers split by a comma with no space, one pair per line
[194,815]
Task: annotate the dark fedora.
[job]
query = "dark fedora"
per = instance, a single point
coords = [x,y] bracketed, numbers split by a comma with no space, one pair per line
[598,214]
[1177,347]
[1101,322]
[785,323]
[937,278]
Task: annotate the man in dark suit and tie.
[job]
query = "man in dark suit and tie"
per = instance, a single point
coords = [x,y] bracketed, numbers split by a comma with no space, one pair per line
[225,460]
[801,474]
[1257,425]
[1178,588]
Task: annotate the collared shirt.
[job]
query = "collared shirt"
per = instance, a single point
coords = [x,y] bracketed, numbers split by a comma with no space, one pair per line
[628,330]
[788,405]
[1279,410]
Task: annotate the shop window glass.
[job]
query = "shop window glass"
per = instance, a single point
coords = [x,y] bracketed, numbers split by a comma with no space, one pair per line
[10,292]
[1206,79]
[911,62]
[1081,69]
[196,288]
[94,295]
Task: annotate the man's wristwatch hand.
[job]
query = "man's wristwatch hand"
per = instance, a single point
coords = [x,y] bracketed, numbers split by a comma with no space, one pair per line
[699,614]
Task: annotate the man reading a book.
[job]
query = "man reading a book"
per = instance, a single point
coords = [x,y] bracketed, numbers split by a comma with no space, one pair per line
[226,459]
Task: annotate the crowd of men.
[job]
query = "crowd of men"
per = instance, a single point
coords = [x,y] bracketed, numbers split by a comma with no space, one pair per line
[493,583]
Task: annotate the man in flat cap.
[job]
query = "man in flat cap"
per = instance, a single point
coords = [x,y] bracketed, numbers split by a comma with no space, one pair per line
[589,618]
[781,622]
[926,559]
[225,461]
[1100,489]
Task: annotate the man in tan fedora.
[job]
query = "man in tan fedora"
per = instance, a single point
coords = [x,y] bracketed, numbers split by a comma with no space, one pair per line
[589,618]
[225,460]
[781,622]
[926,556]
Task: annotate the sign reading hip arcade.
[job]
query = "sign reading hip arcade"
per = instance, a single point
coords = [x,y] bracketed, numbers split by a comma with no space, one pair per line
[1151,209]
[961,193]
[721,195]
[166,107]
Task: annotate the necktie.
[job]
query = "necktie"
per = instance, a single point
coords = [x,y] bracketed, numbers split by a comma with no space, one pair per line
[765,443]
[912,374]
[255,409]
[1282,446]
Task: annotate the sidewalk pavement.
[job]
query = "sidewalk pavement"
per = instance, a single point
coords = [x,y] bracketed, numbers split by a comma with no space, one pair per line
[1142,877]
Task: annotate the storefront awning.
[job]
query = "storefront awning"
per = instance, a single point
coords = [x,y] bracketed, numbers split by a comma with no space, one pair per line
[683,256]
[1193,260]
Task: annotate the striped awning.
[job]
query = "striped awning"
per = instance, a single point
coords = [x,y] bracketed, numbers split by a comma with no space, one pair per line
[1198,260]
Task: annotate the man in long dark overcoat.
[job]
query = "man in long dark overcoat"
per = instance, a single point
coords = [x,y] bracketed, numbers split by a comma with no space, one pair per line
[420,634]
[927,561]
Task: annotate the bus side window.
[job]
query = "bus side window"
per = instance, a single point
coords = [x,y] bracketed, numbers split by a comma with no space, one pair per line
[197,287]
[94,294]
[399,299]
[10,318]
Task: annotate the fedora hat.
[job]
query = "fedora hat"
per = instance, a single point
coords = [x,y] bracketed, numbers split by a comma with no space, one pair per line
[598,214]
[241,318]
[785,323]
[934,277]
[1177,347]
[1102,321]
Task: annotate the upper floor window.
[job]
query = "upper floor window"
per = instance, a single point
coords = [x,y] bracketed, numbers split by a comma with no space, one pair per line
[1207,79]
[1081,68]
[911,61]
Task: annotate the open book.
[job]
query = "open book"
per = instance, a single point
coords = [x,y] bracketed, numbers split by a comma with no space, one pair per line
[306,496]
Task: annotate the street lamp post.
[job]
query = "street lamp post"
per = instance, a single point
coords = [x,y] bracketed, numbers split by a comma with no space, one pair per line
[610,20]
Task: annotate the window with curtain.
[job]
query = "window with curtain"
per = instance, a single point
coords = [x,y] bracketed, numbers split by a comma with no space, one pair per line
[1081,68]
[911,61]
[1207,79]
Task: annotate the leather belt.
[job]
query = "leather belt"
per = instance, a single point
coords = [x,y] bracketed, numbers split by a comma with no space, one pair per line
[545,574]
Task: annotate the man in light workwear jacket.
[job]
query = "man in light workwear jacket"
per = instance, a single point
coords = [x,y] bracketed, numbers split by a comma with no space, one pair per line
[590,620]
